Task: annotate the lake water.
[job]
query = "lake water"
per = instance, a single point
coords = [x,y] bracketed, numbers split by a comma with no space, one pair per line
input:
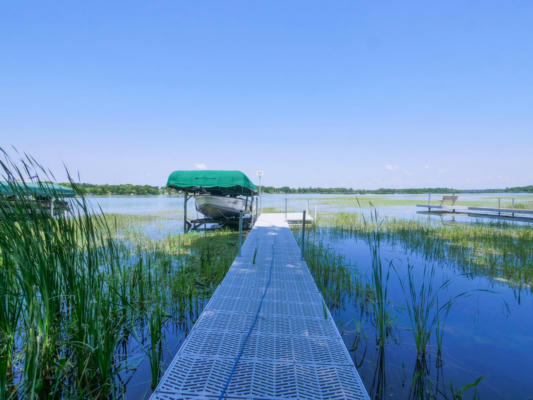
[171,207]
[487,333]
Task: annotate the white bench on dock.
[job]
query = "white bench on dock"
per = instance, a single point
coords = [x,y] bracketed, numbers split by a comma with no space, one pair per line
[452,199]
[266,332]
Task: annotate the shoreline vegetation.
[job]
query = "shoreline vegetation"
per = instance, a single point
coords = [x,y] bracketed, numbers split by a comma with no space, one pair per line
[498,250]
[89,189]
[415,318]
[424,308]
[86,301]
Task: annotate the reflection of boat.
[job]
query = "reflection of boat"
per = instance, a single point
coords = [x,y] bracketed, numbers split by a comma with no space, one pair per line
[222,207]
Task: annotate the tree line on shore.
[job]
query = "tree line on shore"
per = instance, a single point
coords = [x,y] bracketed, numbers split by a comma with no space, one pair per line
[148,190]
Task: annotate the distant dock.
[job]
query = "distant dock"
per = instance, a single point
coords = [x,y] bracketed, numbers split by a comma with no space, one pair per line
[266,332]
[487,212]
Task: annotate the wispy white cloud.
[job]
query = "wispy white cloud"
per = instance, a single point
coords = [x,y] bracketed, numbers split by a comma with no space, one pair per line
[390,167]
[200,166]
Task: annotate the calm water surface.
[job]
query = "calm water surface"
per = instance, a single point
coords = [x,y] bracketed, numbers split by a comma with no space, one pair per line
[486,333]
[172,207]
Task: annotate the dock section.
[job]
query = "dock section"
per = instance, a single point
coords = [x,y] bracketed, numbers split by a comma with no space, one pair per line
[266,332]
[487,212]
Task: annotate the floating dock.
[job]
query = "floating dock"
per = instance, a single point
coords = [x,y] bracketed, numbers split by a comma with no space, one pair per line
[266,333]
[488,212]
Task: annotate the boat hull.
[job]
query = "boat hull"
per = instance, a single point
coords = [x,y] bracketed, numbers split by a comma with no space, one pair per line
[219,207]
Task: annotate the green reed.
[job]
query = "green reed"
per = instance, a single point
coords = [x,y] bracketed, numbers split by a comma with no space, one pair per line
[74,289]
[426,311]
[500,250]
[155,325]
[379,280]
[330,272]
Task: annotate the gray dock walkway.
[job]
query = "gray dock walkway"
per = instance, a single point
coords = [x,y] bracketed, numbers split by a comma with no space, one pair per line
[290,349]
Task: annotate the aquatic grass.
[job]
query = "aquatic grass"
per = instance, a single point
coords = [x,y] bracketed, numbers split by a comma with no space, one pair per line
[427,302]
[10,309]
[426,311]
[329,270]
[457,393]
[524,205]
[379,279]
[387,200]
[155,325]
[499,250]
[73,293]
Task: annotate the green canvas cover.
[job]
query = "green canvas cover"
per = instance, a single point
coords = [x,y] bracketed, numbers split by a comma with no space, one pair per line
[213,181]
[35,189]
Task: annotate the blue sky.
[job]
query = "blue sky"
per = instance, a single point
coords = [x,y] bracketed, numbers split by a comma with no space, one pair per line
[340,93]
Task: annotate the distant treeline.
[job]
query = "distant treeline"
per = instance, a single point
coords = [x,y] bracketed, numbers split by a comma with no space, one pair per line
[147,190]
[516,189]
[286,189]
[118,190]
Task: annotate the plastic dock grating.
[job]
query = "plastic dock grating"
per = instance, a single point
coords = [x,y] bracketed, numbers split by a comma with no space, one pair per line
[293,351]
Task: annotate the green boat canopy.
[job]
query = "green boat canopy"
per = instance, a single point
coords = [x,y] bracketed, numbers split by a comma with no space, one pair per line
[212,181]
[35,189]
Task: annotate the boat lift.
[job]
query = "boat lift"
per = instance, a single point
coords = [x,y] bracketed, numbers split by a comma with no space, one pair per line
[35,197]
[207,222]
[219,183]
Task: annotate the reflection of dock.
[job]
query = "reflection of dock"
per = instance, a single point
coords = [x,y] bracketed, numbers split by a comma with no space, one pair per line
[490,212]
[265,333]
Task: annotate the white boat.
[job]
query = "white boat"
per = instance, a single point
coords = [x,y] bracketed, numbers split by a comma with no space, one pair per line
[222,207]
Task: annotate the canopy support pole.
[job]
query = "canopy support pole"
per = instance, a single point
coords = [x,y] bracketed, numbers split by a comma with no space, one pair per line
[185,212]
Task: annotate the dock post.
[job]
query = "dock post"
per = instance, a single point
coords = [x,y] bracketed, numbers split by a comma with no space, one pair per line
[512,206]
[429,202]
[307,207]
[499,206]
[285,208]
[240,232]
[303,235]
[185,213]
[315,214]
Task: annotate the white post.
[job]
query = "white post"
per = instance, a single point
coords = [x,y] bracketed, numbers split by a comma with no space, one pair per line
[240,232]
[303,234]
[315,213]
[260,175]
[185,212]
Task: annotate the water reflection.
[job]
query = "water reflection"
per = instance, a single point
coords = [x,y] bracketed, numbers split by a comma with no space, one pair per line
[485,334]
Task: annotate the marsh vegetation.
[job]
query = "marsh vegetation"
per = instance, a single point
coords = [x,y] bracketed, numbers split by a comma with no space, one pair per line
[95,305]
[86,299]
[429,305]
